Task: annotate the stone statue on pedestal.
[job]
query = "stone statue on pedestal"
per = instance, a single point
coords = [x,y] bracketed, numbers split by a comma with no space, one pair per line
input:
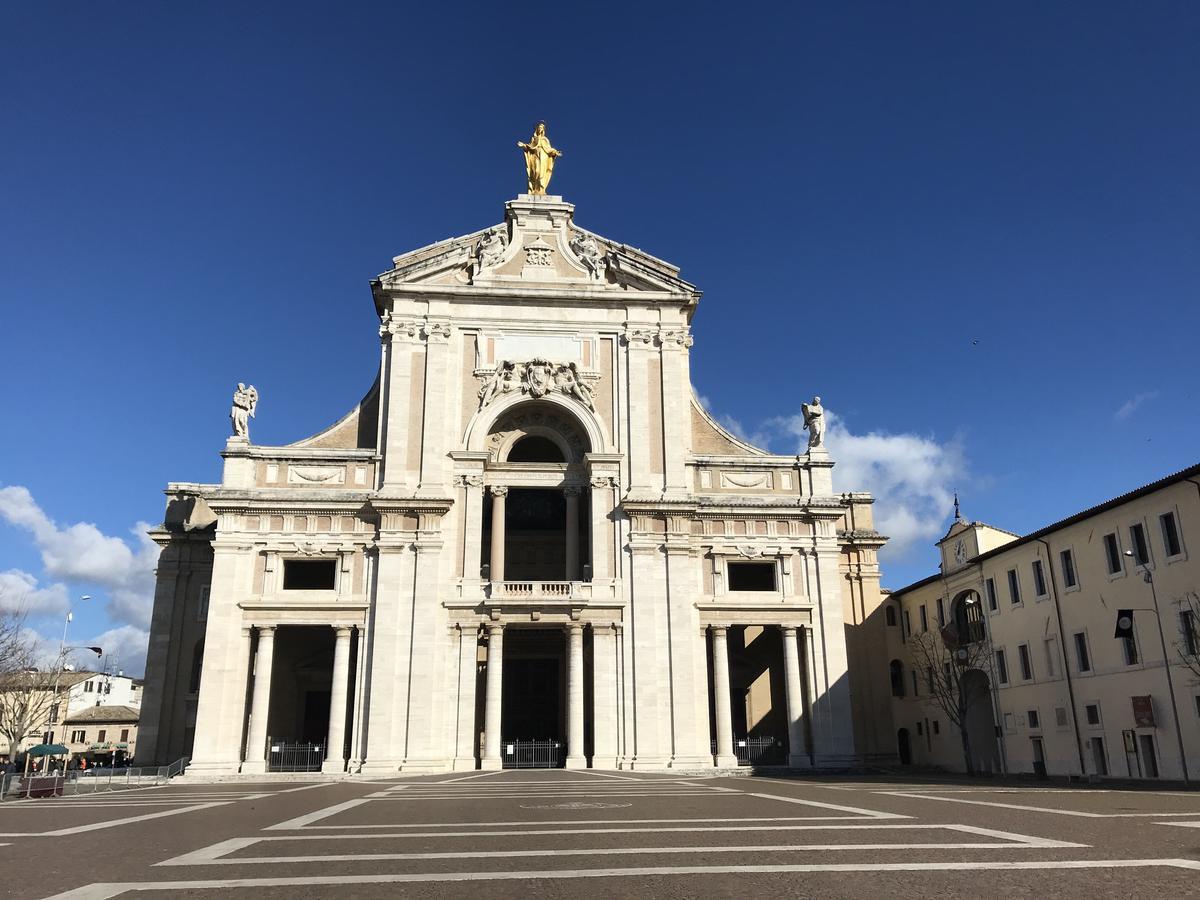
[245,401]
[814,422]
[585,247]
[490,249]
[539,159]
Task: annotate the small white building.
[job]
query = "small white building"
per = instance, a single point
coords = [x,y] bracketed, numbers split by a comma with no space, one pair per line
[1063,693]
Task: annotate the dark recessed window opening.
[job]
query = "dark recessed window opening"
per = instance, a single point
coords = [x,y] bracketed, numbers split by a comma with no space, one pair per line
[309,574]
[535,449]
[747,576]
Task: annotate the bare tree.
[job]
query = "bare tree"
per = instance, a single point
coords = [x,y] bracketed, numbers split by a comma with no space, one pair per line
[1188,646]
[29,683]
[951,666]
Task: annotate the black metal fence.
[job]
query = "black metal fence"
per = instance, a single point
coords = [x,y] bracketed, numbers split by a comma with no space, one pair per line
[291,756]
[757,751]
[533,754]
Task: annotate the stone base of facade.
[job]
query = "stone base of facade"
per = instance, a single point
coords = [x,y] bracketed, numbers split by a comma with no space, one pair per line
[799,761]
[575,762]
[724,762]
[697,761]
[380,767]
[230,767]
[650,762]
[252,767]
[488,764]
[432,766]
[333,767]
[837,761]
[464,764]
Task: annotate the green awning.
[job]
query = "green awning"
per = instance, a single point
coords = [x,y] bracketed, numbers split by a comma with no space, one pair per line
[48,750]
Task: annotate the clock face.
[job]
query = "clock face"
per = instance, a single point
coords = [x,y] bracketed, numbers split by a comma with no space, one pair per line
[960,551]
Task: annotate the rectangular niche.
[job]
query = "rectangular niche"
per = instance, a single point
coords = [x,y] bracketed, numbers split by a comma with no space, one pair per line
[309,574]
[752,576]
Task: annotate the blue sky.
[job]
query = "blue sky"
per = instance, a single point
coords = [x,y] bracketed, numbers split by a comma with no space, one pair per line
[972,228]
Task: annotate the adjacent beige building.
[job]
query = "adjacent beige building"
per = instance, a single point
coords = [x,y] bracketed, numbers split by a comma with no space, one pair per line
[528,542]
[1062,693]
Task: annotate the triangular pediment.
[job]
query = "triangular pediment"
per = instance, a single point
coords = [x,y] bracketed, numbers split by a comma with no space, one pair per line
[537,246]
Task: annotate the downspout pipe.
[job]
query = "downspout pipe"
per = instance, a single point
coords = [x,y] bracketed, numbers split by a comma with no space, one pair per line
[1066,662]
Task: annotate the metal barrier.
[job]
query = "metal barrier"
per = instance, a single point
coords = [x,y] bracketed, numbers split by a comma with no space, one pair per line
[756,751]
[293,756]
[533,754]
[19,786]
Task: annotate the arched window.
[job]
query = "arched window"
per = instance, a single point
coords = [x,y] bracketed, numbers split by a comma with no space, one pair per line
[897,670]
[968,618]
[197,665]
[536,449]
[889,614]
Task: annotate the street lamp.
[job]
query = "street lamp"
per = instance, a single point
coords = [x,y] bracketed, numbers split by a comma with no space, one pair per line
[1149,579]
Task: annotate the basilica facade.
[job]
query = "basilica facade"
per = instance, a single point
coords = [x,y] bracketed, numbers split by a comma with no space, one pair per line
[528,544]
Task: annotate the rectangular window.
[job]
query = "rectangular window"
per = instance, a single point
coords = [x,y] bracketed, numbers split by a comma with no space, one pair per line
[87,687]
[53,720]
[1014,586]
[1198,704]
[916,693]
[1137,537]
[309,574]
[1026,662]
[1001,668]
[929,678]
[1051,645]
[1060,716]
[751,576]
[1010,722]
[936,728]
[1091,712]
[1039,579]
[78,737]
[202,606]
[124,735]
[1187,625]
[100,735]
[1034,721]
[941,614]
[1170,532]
[1068,568]
[990,584]
[1129,647]
[907,624]
[1081,652]
[920,731]
[924,618]
[1112,552]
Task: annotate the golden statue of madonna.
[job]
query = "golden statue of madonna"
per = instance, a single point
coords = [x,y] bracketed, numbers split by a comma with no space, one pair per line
[539,159]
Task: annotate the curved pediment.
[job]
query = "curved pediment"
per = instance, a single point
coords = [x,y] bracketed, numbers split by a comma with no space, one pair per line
[538,246]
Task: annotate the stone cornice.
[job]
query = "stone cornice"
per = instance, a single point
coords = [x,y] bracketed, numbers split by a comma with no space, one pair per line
[308,454]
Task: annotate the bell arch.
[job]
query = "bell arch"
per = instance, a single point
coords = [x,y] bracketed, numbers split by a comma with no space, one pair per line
[555,416]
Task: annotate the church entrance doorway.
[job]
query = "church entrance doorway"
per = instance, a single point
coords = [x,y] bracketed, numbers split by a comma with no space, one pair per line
[533,710]
[301,689]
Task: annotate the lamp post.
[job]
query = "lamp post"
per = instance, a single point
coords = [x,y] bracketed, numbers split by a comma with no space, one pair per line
[1149,579]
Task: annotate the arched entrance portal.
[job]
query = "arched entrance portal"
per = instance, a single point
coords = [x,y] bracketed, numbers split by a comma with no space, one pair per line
[980,723]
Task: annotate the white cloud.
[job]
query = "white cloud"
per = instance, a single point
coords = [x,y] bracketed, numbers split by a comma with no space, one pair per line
[1129,406]
[81,554]
[124,649]
[19,593]
[912,477]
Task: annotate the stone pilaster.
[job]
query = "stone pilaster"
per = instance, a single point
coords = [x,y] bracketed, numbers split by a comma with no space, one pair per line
[833,721]
[572,533]
[650,653]
[639,342]
[794,688]
[467,735]
[688,671]
[676,409]
[606,682]
[387,665]
[401,340]
[435,433]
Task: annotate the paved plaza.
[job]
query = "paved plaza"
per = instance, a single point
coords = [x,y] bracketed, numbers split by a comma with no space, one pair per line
[567,833]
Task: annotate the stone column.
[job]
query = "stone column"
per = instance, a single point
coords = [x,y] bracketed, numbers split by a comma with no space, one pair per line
[335,747]
[492,698]
[575,757]
[605,683]
[260,702]
[601,529]
[468,736]
[797,756]
[499,492]
[473,530]
[572,495]
[720,648]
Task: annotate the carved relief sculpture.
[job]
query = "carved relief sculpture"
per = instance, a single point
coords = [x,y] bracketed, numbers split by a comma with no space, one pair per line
[537,378]
[539,159]
[814,421]
[245,401]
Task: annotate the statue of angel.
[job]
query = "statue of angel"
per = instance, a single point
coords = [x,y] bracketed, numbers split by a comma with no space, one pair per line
[490,249]
[245,401]
[503,380]
[814,422]
[585,247]
[579,388]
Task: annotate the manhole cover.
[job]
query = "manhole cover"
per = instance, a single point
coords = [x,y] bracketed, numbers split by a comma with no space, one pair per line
[574,805]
